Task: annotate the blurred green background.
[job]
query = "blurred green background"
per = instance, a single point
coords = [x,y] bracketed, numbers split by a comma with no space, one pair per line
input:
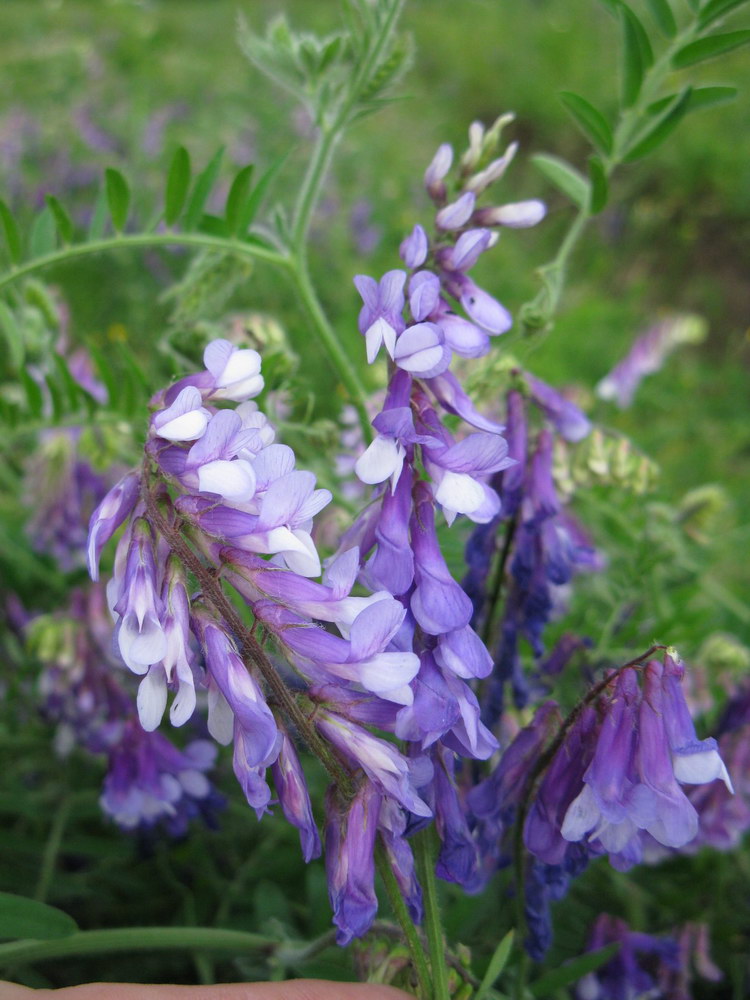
[91,84]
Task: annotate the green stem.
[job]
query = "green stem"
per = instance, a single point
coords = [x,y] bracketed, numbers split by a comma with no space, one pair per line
[401,913]
[424,852]
[238,247]
[327,336]
[136,939]
[52,849]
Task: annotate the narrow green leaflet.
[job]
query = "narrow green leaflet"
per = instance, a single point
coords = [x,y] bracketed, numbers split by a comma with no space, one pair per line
[496,966]
[714,10]
[12,235]
[13,336]
[178,182]
[599,185]
[201,190]
[259,192]
[43,231]
[572,971]
[564,177]
[237,199]
[57,398]
[62,219]
[591,121]
[701,97]
[118,197]
[34,398]
[636,55]
[98,216]
[660,127]
[709,48]
[26,918]
[662,14]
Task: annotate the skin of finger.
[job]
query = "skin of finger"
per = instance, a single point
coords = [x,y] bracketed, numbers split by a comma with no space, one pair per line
[298,989]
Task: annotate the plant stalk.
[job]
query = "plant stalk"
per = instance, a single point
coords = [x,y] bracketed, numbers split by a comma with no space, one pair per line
[424,852]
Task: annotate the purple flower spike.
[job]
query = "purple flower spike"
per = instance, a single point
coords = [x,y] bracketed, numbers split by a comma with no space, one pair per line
[458,860]
[109,515]
[350,865]
[613,805]
[291,788]
[571,422]
[380,319]
[438,603]
[413,251]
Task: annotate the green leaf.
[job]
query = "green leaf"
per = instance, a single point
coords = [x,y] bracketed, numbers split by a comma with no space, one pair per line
[660,127]
[662,14]
[496,966]
[42,239]
[709,48]
[118,197]
[636,55]
[12,235]
[34,398]
[178,182]
[212,225]
[62,219]
[571,971]
[701,97]
[591,121]
[237,199]
[564,177]
[59,408]
[599,185]
[203,184]
[259,192]
[21,917]
[98,216]
[716,9]
[13,336]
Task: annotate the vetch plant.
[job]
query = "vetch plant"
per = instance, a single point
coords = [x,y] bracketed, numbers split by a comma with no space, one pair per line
[335,628]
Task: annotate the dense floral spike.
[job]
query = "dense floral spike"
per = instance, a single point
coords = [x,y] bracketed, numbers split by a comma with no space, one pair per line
[149,782]
[647,355]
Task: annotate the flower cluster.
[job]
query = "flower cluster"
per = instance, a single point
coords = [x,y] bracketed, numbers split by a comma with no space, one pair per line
[149,781]
[646,965]
[539,542]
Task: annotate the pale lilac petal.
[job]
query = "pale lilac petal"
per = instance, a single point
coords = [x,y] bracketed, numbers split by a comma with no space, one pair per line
[413,250]
[484,310]
[233,480]
[382,459]
[424,294]
[152,698]
[458,213]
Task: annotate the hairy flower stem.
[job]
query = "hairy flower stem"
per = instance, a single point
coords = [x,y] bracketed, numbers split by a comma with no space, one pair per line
[249,647]
[424,852]
[497,581]
[534,777]
[413,941]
